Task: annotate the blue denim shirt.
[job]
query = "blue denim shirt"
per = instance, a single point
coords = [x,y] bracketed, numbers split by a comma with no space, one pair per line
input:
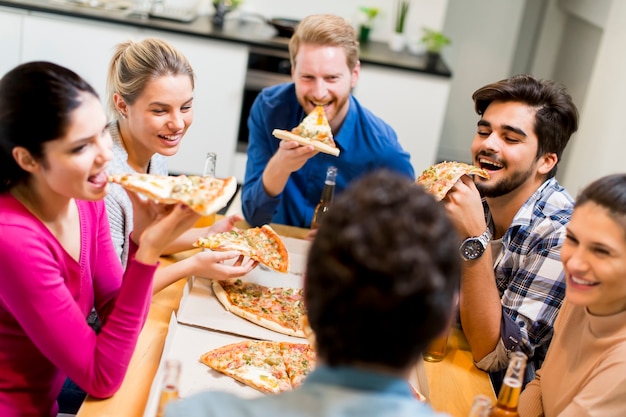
[329,392]
[365,142]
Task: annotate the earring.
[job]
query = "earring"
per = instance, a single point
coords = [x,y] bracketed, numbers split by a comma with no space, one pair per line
[122,114]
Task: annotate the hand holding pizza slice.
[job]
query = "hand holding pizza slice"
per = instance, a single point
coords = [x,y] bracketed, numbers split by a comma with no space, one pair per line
[204,195]
[259,243]
[314,130]
[440,178]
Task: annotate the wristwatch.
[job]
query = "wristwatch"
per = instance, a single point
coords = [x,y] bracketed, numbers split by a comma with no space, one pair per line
[474,247]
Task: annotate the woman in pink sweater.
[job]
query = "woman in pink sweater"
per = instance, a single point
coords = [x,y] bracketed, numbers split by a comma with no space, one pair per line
[584,373]
[56,253]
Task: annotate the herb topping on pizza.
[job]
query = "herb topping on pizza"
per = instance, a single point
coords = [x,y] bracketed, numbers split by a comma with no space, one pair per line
[440,178]
[269,367]
[314,130]
[259,243]
[278,309]
[204,195]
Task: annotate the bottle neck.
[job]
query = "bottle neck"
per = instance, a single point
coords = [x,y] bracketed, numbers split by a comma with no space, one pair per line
[508,398]
[209,165]
[328,192]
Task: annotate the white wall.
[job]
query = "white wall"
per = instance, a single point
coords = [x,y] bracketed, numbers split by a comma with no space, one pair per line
[599,147]
[484,36]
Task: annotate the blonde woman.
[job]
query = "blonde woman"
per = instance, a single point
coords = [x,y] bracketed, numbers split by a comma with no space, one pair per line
[150,98]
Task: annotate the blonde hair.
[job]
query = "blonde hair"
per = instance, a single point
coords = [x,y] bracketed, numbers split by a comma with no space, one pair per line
[326,30]
[134,63]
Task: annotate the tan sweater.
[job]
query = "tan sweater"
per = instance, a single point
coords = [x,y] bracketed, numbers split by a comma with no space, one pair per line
[584,373]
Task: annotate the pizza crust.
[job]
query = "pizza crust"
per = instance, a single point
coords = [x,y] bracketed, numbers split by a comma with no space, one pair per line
[229,190]
[280,248]
[319,146]
[223,298]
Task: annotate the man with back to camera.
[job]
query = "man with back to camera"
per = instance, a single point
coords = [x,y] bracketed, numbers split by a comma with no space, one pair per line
[284,180]
[380,258]
[512,289]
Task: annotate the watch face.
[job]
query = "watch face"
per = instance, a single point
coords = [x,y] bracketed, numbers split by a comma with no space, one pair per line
[472,249]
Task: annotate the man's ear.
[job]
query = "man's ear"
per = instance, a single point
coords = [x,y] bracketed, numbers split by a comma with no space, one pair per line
[24,159]
[356,72]
[546,163]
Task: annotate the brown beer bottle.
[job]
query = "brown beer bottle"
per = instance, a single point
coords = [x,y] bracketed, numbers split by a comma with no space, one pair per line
[169,391]
[508,397]
[327,197]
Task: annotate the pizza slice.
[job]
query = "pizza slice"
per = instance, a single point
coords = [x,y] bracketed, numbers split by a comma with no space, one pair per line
[299,359]
[277,309]
[440,178]
[314,130]
[259,243]
[204,195]
[258,364]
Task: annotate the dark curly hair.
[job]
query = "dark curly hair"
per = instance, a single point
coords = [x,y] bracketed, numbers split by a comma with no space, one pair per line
[382,273]
[36,102]
[556,119]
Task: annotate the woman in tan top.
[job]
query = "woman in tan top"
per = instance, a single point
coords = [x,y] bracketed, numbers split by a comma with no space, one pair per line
[584,373]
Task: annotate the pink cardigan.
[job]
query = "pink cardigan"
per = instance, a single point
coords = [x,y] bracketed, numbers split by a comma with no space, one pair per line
[45,298]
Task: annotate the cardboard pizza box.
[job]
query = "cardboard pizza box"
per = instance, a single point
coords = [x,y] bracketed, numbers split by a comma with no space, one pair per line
[200,308]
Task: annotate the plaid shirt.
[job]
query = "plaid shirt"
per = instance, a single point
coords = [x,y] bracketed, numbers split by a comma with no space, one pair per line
[529,273]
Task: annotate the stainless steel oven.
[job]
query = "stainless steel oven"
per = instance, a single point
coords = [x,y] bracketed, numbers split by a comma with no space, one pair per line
[266,67]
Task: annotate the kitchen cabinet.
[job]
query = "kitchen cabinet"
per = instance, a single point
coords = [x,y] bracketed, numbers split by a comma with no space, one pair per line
[86,46]
[11,21]
[82,46]
[412,103]
[220,69]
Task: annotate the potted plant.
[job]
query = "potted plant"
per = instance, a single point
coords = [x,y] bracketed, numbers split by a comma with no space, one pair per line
[368,14]
[402,9]
[433,41]
[222,7]
[397,41]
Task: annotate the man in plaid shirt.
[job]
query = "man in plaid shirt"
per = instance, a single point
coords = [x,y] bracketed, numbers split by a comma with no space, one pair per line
[512,288]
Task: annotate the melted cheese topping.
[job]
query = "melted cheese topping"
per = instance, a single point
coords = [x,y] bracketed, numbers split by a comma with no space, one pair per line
[284,306]
[266,365]
[315,126]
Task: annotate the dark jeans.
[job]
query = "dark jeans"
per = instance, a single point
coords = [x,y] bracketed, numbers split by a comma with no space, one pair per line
[72,396]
